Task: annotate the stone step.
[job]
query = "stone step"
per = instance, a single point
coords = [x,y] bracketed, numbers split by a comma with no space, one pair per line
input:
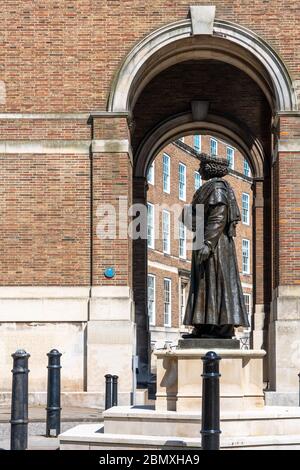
[277,421]
[92,437]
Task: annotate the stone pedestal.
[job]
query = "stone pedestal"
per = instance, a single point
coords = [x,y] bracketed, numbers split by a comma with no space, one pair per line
[175,421]
[179,381]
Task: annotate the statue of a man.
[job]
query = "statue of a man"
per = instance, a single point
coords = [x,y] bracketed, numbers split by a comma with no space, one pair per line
[215,303]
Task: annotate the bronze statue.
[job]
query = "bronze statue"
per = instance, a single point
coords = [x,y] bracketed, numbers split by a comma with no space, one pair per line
[215,303]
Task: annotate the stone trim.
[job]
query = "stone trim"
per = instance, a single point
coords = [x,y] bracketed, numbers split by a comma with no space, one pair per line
[224,353]
[43,292]
[182,124]
[164,267]
[64,116]
[286,291]
[268,63]
[45,116]
[64,304]
[291,145]
[64,147]
[111,146]
[202,19]
[55,147]
[44,304]
[115,292]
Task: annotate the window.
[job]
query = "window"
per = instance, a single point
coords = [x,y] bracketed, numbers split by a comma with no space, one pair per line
[247,303]
[150,174]
[182,240]
[197,179]
[182,181]
[245,208]
[246,168]
[213,147]
[166,173]
[183,288]
[167,302]
[151,299]
[150,228]
[166,231]
[247,299]
[246,256]
[230,157]
[197,143]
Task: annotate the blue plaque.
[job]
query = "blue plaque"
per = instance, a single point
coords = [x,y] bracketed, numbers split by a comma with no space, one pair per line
[109,272]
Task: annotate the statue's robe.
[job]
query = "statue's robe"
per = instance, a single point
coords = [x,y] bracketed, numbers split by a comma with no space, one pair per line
[216,296]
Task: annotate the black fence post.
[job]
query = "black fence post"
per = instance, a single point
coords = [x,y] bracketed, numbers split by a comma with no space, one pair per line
[53,393]
[210,432]
[115,391]
[108,391]
[19,401]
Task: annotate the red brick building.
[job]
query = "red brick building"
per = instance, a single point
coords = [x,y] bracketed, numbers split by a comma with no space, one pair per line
[172,180]
[90,92]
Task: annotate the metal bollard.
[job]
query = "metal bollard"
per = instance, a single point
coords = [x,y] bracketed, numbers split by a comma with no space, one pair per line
[108,391]
[53,393]
[115,391]
[19,401]
[210,432]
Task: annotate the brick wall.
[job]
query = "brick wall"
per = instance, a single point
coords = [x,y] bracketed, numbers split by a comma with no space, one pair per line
[62,56]
[45,220]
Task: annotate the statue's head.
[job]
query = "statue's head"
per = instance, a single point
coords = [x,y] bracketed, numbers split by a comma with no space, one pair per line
[212,167]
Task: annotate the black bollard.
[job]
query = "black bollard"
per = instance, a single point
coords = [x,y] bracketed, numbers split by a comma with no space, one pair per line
[53,393]
[108,391]
[115,391]
[19,401]
[210,432]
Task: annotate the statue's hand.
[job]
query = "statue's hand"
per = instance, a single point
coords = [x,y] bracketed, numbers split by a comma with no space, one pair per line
[203,253]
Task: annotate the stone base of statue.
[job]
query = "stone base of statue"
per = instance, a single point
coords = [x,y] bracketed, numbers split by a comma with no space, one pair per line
[174,420]
[208,343]
[179,381]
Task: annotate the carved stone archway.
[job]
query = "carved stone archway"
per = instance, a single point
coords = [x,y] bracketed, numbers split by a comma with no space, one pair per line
[228,42]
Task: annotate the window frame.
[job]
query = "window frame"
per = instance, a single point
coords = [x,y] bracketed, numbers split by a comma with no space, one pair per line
[168,175]
[210,144]
[151,181]
[243,209]
[199,138]
[151,245]
[152,319]
[246,165]
[169,281]
[247,294]
[180,226]
[233,155]
[248,264]
[165,212]
[182,165]
[196,173]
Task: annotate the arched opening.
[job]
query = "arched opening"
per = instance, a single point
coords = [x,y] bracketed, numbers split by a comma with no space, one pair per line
[172,180]
[245,124]
[229,84]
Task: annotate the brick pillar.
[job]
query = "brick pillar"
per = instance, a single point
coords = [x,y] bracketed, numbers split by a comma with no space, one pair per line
[284,337]
[140,291]
[111,328]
